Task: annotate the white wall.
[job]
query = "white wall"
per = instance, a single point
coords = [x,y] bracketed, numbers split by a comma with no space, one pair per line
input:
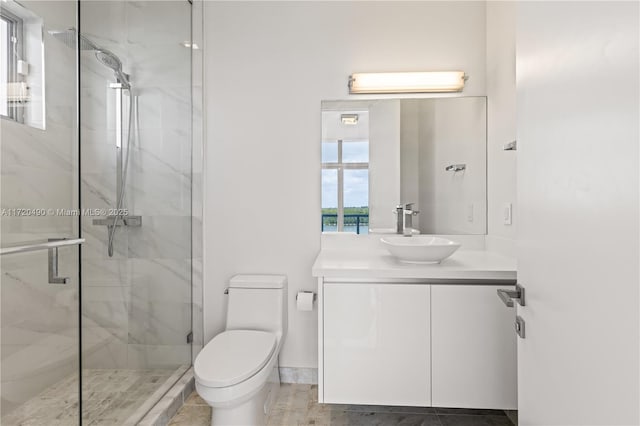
[268,66]
[501,119]
[438,133]
[384,163]
[460,201]
[424,166]
[410,177]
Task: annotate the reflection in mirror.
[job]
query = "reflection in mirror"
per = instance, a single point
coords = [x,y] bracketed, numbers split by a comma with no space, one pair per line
[345,171]
[21,65]
[430,152]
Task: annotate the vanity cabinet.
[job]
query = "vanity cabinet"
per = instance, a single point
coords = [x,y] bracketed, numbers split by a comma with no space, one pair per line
[473,348]
[377,344]
[422,344]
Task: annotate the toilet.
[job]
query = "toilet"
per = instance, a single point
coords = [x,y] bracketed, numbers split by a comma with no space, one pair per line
[236,373]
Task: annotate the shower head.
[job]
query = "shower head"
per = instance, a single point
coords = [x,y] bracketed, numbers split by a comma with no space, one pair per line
[110,60]
[68,37]
[107,58]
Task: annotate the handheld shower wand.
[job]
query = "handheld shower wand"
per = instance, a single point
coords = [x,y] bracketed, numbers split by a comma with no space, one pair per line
[72,39]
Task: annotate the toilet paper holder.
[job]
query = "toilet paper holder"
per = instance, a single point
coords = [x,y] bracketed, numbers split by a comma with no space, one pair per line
[315,296]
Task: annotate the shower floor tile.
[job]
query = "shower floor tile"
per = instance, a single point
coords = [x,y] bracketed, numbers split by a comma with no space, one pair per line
[110,397]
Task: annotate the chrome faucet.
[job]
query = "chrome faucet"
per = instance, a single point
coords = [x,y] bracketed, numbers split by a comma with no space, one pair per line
[408,219]
[404,219]
[399,219]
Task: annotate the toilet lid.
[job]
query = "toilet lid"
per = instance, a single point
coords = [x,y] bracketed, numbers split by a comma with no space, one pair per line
[233,356]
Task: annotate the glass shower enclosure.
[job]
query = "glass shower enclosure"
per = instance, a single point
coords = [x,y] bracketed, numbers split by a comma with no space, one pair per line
[96,299]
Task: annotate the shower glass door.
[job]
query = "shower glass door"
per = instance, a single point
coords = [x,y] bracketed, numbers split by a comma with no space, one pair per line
[39,201]
[95,194]
[135,97]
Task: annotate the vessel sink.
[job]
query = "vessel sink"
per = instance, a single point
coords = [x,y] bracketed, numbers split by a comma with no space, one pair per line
[420,248]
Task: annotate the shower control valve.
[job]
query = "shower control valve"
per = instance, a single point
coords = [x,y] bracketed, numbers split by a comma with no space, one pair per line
[131,221]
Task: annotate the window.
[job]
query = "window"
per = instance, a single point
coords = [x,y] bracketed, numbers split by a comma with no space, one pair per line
[345,186]
[10,54]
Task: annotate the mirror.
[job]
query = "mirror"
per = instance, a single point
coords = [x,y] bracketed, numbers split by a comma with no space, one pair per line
[377,154]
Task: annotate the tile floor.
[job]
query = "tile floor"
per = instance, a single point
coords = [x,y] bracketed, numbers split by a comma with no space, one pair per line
[110,398]
[298,405]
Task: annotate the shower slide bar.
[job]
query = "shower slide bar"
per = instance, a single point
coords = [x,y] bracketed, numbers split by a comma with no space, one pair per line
[35,246]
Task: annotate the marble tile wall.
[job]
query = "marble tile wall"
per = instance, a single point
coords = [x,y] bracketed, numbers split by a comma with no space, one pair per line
[307,376]
[142,295]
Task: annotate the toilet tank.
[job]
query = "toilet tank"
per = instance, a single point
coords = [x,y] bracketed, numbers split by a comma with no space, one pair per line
[258,302]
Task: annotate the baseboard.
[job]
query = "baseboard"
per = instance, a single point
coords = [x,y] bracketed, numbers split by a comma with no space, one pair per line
[308,376]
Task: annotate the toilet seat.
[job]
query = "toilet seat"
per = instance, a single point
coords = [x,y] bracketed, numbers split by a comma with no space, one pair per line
[233,356]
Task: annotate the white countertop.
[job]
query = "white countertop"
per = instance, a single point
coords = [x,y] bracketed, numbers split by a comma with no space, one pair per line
[379,264]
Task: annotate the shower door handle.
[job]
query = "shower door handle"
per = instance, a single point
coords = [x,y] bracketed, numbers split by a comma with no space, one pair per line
[53,265]
[51,246]
[36,246]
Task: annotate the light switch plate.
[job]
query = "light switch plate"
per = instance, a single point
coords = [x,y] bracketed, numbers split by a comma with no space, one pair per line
[470,213]
[506,213]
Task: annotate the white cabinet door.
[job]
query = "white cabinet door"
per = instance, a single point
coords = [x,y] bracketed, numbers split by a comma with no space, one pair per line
[376,344]
[473,348]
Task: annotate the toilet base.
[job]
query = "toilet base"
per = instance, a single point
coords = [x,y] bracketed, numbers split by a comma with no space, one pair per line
[253,412]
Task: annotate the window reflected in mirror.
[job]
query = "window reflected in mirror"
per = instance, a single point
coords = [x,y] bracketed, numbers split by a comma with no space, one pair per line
[345,172]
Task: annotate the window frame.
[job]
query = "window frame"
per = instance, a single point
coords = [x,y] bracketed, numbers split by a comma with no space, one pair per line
[340,166]
[16,37]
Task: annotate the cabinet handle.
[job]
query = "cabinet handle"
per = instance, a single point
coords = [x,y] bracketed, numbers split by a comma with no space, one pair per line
[508,296]
[519,325]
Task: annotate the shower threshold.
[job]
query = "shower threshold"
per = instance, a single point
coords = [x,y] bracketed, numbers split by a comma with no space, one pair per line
[110,397]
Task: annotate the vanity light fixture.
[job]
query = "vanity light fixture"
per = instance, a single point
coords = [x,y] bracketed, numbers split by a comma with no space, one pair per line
[349,119]
[407,82]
